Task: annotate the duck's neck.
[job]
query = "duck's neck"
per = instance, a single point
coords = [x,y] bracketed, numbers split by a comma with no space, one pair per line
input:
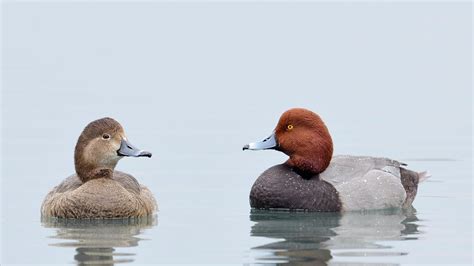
[90,172]
[89,169]
[311,161]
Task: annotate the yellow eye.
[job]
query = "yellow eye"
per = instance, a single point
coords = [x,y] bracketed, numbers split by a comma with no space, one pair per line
[289,127]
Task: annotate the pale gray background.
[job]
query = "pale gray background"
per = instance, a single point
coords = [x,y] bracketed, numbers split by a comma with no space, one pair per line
[194,82]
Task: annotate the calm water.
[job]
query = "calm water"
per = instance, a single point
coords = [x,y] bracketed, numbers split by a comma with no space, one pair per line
[193,83]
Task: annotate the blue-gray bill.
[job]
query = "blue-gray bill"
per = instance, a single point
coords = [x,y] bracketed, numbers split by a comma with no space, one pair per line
[268,143]
[127,149]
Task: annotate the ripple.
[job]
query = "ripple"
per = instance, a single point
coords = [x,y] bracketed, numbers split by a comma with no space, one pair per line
[317,238]
[95,240]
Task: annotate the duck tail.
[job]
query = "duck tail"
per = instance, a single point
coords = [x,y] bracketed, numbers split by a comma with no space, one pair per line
[410,180]
[422,176]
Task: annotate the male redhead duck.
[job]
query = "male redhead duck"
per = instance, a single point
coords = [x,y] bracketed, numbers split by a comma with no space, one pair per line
[96,190]
[311,179]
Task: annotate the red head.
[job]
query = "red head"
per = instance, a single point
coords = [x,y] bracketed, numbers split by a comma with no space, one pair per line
[302,135]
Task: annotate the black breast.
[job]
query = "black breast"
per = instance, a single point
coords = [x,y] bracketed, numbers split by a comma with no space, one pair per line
[280,187]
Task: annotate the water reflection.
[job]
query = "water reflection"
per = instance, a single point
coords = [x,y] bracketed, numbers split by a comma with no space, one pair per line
[316,238]
[95,240]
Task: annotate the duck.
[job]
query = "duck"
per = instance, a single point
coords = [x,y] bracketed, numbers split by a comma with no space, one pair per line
[96,189]
[312,179]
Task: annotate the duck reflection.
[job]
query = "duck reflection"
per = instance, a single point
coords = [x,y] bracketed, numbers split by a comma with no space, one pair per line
[95,240]
[314,238]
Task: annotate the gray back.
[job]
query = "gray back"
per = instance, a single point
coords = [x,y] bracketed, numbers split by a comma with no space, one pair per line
[343,168]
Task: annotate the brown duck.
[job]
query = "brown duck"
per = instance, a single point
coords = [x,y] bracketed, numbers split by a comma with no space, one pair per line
[97,190]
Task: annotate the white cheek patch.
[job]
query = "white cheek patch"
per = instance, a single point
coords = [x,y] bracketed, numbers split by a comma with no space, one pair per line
[115,146]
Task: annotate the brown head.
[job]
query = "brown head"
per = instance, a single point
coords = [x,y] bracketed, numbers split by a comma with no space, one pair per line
[302,135]
[100,146]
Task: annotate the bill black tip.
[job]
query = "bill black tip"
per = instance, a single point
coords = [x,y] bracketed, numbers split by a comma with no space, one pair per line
[145,154]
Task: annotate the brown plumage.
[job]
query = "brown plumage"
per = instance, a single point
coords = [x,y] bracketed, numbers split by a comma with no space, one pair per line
[311,151]
[97,190]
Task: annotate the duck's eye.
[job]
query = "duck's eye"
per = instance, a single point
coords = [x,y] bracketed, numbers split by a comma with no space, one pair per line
[106,136]
[289,127]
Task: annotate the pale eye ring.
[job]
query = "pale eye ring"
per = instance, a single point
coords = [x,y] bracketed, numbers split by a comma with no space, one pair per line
[289,127]
[105,136]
